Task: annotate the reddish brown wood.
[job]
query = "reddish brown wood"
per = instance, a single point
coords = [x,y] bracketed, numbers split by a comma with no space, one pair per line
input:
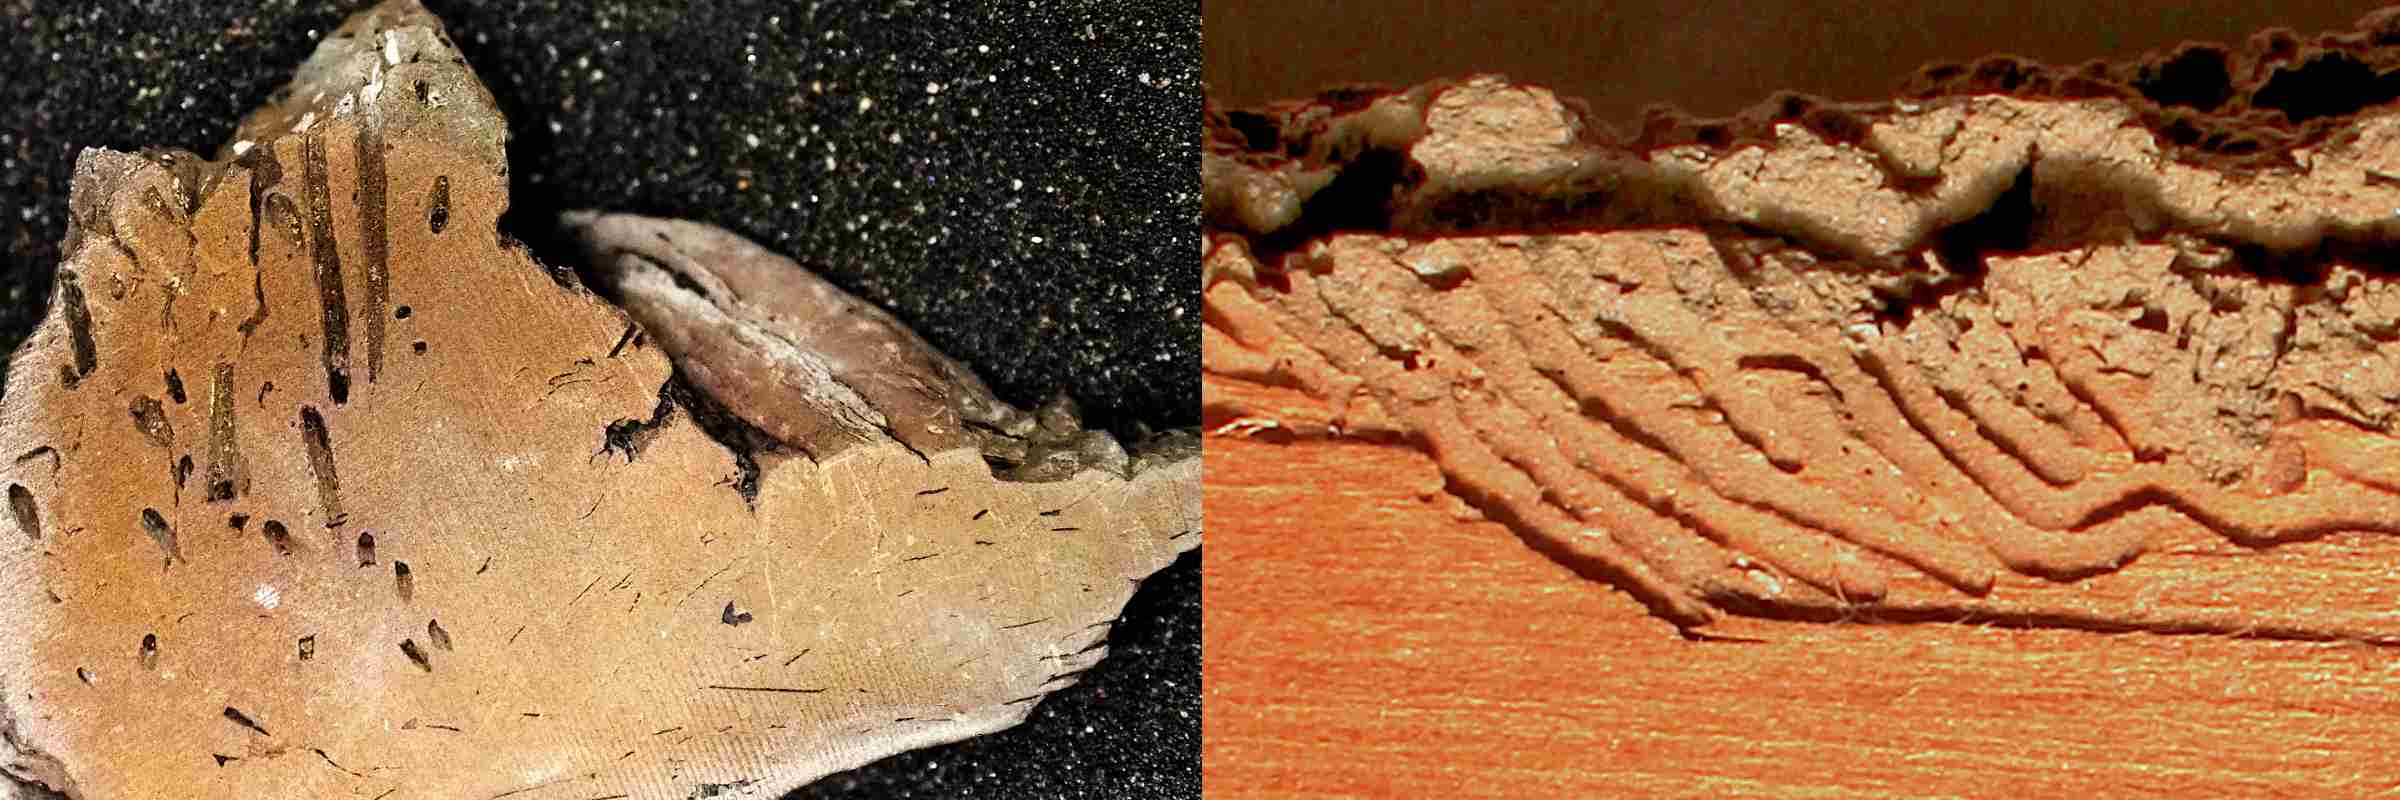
[1366,637]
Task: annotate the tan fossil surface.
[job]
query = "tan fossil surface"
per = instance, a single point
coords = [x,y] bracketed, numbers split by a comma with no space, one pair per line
[2029,347]
[320,487]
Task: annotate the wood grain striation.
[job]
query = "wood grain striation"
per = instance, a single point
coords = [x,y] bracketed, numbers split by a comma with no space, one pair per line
[1965,356]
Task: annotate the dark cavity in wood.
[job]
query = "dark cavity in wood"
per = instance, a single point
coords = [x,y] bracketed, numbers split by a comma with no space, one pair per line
[320,461]
[334,310]
[222,467]
[439,217]
[29,518]
[161,534]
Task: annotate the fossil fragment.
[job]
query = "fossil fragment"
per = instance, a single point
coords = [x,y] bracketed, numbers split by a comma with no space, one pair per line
[499,565]
[2044,357]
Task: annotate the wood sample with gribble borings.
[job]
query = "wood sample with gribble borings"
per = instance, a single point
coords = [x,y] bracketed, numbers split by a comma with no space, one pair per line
[2033,347]
[320,486]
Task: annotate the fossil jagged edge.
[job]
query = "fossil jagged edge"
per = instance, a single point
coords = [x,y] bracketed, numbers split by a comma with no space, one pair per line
[2041,357]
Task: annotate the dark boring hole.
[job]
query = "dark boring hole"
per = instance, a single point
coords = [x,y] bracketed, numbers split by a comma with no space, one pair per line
[2199,77]
[416,655]
[1259,133]
[403,580]
[183,471]
[2331,84]
[2005,226]
[161,534]
[319,443]
[150,418]
[149,650]
[175,387]
[366,549]
[1358,199]
[278,536]
[418,346]
[439,635]
[79,330]
[20,504]
[237,520]
[222,452]
[245,721]
[424,94]
[83,674]
[308,647]
[402,312]
[732,617]
[438,215]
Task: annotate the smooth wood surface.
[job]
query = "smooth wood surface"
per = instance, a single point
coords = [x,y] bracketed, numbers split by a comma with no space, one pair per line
[1366,636]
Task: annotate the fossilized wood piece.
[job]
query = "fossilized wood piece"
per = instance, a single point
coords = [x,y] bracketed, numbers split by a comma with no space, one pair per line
[1963,357]
[319,487]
